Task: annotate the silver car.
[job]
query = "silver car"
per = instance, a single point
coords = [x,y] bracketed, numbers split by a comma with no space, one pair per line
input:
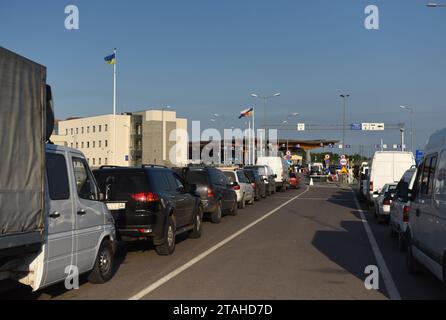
[241,185]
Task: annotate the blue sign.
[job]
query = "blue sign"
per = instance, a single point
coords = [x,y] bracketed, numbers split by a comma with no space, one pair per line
[126,158]
[331,146]
[348,146]
[419,156]
[377,146]
[290,162]
[357,126]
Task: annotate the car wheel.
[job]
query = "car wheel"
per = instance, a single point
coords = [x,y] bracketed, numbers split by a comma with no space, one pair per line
[217,214]
[413,266]
[195,233]
[168,247]
[234,210]
[242,203]
[103,266]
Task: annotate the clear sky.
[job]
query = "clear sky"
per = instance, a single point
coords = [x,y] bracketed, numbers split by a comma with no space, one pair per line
[203,57]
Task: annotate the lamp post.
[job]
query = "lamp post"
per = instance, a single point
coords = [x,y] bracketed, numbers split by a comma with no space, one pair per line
[435,5]
[265,101]
[412,131]
[344,97]
[164,132]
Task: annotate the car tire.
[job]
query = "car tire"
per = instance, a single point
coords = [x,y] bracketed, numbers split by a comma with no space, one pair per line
[242,203]
[413,266]
[217,214]
[234,210]
[195,233]
[168,247]
[103,266]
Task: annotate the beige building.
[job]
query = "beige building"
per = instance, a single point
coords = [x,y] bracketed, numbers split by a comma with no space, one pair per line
[145,137]
[95,137]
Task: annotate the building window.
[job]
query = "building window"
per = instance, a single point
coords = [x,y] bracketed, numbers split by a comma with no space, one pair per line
[66,132]
[88,144]
[94,129]
[71,145]
[106,143]
[88,129]
[77,145]
[106,127]
[100,128]
[106,160]
[99,161]
[94,144]
[94,161]
[77,130]
[71,131]
[82,144]
[100,143]
[82,130]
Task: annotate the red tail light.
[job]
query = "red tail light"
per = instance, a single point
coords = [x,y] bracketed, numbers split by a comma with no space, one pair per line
[406,212]
[145,197]
[210,193]
[371,185]
[253,185]
[387,202]
[236,188]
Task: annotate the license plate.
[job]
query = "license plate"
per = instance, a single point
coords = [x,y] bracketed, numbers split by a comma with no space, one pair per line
[115,206]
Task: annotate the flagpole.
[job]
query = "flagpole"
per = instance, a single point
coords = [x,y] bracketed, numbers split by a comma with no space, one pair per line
[114,107]
[254,136]
[249,142]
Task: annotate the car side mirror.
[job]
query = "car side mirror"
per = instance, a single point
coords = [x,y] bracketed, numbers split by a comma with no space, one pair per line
[101,196]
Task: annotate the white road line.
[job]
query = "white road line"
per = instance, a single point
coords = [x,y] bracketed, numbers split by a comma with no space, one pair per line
[327,199]
[384,270]
[203,255]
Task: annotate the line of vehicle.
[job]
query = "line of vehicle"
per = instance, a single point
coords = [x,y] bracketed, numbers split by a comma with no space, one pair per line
[141,294]
[392,290]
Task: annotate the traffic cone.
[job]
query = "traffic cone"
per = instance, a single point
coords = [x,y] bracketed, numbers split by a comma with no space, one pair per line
[311,182]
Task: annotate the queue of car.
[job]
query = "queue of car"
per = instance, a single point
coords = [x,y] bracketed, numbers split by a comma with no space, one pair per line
[413,201]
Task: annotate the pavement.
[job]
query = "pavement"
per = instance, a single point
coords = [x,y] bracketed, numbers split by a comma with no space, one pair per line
[311,243]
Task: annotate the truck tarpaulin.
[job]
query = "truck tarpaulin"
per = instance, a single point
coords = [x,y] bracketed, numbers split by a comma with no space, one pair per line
[22,138]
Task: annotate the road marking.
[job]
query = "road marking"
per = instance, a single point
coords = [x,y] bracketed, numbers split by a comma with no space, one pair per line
[327,199]
[384,270]
[203,255]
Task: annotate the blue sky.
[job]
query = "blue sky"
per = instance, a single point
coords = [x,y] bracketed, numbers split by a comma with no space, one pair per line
[203,57]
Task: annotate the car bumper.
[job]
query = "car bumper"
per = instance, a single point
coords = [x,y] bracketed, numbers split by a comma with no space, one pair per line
[209,206]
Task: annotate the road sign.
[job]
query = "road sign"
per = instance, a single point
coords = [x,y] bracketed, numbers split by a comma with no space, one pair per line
[301,127]
[348,146]
[419,154]
[331,146]
[288,153]
[356,126]
[126,158]
[343,162]
[377,146]
[373,126]
[327,157]
[290,162]
[344,170]
[298,146]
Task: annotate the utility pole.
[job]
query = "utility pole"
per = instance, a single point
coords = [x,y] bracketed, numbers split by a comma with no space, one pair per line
[344,97]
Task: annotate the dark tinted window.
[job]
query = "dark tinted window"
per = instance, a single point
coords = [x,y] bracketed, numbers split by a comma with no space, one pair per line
[121,185]
[241,177]
[159,180]
[250,175]
[230,175]
[56,171]
[198,177]
[85,184]
[174,181]
[217,176]
[427,177]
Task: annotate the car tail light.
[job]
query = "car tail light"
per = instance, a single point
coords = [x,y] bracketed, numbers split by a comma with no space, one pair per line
[371,186]
[145,197]
[387,202]
[254,185]
[406,212]
[236,188]
[210,193]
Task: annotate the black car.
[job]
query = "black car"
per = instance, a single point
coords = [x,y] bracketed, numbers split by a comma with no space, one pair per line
[268,176]
[215,191]
[257,183]
[151,203]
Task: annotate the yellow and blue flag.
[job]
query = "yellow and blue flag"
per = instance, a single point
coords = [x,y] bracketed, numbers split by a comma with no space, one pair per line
[111,59]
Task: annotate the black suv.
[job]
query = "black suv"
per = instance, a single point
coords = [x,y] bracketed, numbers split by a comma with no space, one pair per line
[215,191]
[268,176]
[257,183]
[151,202]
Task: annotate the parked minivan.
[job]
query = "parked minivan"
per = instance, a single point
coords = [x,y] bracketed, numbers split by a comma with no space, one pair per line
[280,169]
[427,218]
[387,167]
[400,208]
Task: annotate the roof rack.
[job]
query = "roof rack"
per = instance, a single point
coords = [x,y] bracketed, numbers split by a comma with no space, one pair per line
[109,167]
[153,166]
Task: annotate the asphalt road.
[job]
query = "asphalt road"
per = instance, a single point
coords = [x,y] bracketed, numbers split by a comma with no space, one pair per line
[303,244]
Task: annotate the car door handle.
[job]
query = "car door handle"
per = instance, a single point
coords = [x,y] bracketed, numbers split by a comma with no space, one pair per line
[418,212]
[55,215]
[81,212]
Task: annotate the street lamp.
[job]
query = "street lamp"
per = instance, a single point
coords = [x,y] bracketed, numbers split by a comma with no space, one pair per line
[412,133]
[435,5]
[265,100]
[164,131]
[344,97]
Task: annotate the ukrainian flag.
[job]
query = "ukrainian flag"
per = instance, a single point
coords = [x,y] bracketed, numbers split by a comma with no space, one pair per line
[111,59]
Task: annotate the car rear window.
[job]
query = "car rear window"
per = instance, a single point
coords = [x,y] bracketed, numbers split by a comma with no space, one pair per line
[241,177]
[230,175]
[198,177]
[250,175]
[122,185]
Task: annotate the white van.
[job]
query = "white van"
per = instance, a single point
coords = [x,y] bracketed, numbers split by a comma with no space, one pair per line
[79,234]
[387,167]
[280,168]
[427,219]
